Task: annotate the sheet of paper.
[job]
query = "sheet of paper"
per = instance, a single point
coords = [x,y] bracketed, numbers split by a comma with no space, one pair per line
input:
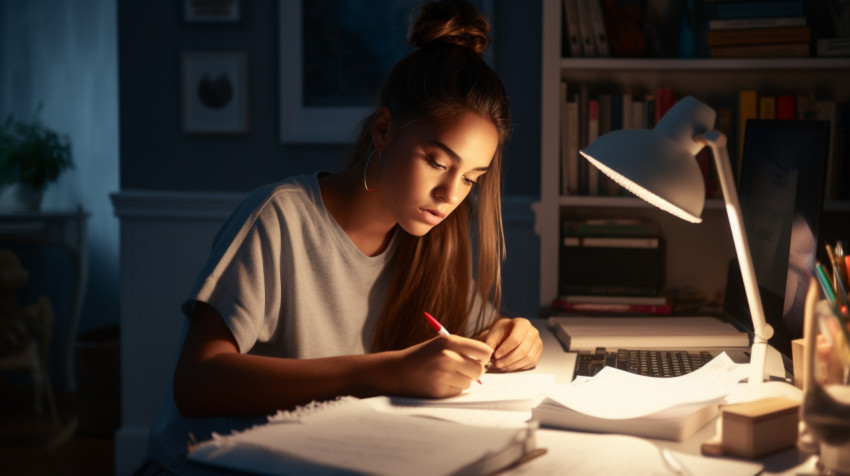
[603,396]
[508,391]
[586,453]
[466,416]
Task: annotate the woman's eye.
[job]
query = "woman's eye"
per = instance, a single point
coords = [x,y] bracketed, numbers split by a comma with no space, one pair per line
[469,181]
[435,164]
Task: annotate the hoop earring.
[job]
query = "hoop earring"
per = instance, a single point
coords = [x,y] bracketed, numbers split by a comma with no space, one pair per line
[366,169]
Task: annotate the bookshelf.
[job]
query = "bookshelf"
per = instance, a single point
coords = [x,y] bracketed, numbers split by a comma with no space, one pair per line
[696,254]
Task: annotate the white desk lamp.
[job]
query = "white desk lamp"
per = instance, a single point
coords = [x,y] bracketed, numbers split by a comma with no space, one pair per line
[660,167]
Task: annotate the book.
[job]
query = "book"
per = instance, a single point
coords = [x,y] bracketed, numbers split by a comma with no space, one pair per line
[782,50]
[803,104]
[613,299]
[759,36]
[612,241]
[573,31]
[609,288]
[356,437]
[598,22]
[747,23]
[637,332]
[664,100]
[649,111]
[627,102]
[638,114]
[826,47]
[767,107]
[559,304]
[592,134]
[608,227]
[673,425]
[785,106]
[616,111]
[757,9]
[588,43]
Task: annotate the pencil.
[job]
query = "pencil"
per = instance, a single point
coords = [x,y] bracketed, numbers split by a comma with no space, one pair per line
[824,283]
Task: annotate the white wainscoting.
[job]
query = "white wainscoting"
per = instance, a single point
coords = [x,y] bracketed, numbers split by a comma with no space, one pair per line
[165,239]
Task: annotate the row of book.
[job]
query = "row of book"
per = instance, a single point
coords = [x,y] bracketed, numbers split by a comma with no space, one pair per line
[587,114]
[705,29]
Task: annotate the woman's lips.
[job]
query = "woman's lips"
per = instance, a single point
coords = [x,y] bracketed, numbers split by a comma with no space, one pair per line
[432,216]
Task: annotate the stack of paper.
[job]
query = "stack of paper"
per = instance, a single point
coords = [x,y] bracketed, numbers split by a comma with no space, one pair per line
[615,401]
[354,437]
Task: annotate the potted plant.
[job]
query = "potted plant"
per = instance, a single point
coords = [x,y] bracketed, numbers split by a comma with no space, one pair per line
[32,156]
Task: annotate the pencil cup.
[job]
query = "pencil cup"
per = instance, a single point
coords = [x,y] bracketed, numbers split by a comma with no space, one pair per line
[826,390]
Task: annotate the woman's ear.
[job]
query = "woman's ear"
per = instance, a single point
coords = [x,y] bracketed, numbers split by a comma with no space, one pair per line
[381,125]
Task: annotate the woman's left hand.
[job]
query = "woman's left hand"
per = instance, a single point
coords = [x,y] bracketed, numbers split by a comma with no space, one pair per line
[516,342]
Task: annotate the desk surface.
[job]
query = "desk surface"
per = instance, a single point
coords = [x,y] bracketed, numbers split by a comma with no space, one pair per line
[559,362]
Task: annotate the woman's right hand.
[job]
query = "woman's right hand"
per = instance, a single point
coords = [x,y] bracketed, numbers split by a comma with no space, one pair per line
[441,367]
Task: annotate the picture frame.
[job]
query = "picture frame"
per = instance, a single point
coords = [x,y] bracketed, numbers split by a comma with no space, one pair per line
[330,73]
[212,11]
[215,97]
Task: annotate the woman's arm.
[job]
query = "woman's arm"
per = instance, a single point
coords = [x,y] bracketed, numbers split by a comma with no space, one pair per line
[517,344]
[213,379]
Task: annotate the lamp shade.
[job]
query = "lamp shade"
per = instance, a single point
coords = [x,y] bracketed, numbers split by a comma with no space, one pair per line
[659,165]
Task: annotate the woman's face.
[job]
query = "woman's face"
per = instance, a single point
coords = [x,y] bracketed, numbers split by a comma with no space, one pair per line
[429,168]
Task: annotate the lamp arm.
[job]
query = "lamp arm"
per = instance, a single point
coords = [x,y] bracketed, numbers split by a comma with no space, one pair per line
[716,140]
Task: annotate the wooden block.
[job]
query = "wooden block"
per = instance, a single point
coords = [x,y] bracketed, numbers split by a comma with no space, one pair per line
[758,428]
[798,348]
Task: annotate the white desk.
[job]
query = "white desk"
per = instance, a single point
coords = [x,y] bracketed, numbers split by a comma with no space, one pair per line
[570,452]
[557,361]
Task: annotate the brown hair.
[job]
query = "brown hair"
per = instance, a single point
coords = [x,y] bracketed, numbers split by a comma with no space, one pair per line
[442,79]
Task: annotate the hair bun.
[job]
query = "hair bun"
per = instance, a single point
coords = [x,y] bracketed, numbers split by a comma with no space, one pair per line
[455,22]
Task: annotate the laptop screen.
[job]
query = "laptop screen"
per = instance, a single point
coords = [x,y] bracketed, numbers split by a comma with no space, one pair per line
[781,189]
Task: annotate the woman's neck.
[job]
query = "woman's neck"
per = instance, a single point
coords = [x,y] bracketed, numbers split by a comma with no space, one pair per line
[361,214]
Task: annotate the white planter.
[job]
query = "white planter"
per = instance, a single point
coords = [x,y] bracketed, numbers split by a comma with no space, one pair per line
[19,197]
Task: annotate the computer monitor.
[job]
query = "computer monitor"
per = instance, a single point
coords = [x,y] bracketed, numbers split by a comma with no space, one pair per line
[781,189]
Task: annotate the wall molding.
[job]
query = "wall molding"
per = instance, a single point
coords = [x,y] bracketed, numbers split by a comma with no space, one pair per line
[516,209]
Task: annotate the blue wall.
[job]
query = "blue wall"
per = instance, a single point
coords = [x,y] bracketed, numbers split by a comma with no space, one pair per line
[157,154]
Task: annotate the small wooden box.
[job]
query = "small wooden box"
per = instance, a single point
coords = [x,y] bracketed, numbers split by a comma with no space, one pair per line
[761,427]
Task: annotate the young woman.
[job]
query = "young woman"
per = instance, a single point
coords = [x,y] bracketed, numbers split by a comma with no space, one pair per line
[317,285]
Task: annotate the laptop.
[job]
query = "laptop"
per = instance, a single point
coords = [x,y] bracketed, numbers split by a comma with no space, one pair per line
[781,189]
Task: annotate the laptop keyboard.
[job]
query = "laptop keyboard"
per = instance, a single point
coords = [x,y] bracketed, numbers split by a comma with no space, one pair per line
[654,363]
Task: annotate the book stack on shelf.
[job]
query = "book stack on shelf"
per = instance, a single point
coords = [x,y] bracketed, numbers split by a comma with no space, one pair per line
[610,257]
[757,29]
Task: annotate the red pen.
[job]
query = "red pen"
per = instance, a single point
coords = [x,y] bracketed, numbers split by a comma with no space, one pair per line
[440,329]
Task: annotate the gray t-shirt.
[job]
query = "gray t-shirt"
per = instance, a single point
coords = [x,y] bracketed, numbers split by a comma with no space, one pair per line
[288,282]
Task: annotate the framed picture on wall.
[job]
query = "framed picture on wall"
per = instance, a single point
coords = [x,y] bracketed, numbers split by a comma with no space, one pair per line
[215,97]
[212,11]
[334,56]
